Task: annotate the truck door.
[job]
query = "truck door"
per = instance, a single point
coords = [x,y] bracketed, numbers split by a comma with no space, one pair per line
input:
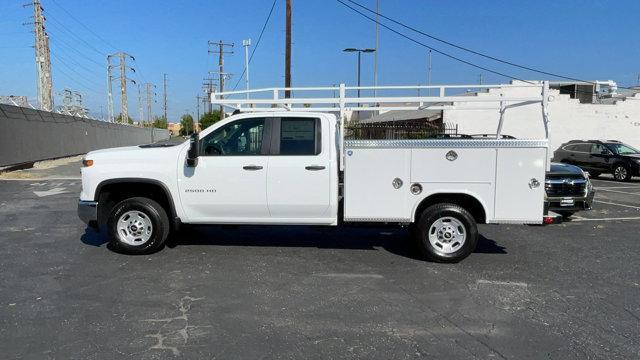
[228,185]
[299,180]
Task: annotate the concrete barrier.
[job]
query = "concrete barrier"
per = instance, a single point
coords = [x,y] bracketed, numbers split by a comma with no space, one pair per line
[29,135]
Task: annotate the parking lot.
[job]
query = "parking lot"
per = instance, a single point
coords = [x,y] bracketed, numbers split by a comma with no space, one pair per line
[567,291]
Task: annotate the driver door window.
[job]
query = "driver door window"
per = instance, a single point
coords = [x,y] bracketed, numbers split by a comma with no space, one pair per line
[239,138]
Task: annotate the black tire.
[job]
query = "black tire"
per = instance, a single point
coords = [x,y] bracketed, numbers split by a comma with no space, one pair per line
[445,210]
[566,214]
[621,172]
[594,174]
[149,209]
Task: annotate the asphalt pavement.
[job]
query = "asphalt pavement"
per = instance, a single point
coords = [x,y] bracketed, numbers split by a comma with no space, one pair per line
[567,291]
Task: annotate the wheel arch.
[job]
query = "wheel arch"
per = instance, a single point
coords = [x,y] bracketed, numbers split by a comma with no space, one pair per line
[111,191]
[470,202]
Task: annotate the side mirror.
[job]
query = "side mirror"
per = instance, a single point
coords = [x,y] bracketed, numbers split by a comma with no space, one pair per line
[193,153]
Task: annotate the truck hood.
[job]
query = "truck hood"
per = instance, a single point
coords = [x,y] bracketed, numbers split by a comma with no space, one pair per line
[114,150]
[559,169]
[135,153]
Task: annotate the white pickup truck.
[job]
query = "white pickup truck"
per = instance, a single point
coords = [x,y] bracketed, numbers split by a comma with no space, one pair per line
[294,168]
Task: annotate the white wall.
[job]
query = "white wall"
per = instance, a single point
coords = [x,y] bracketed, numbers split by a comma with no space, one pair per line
[569,119]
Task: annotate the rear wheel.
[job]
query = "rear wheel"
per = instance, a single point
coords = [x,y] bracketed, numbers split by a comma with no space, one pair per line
[621,172]
[138,226]
[446,233]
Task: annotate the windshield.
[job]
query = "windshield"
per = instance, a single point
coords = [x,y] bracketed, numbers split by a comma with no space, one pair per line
[621,149]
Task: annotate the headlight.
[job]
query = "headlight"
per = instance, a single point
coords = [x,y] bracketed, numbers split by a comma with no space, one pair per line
[638,161]
[87,163]
[585,174]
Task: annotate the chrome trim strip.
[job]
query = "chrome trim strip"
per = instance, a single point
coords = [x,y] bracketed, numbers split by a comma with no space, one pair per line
[495,221]
[366,219]
[566,181]
[447,143]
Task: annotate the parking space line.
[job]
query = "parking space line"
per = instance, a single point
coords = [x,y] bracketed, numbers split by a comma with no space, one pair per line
[605,219]
[610,203]
[42,179]
[617,187]
[618,192]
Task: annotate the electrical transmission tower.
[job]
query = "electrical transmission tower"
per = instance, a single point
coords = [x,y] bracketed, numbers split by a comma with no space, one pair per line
[43,57]
[122,66]
[72,103]
[208,87]
[221,52]
[150,98]
[140,112]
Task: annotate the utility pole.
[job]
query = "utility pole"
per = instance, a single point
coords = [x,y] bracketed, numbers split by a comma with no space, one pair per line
[110,90]
[375,55]
[140,112]
[246,44]
[124,102]
[197,110]
[165,96]
[150,98]
[429,73]
[287,51]
[221,53]
[480,80]
[43,58]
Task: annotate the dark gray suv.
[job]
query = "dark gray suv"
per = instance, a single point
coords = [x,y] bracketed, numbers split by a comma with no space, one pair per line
[598,157]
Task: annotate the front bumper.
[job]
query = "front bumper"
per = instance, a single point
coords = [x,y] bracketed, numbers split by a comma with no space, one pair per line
[88,212]
[579,203]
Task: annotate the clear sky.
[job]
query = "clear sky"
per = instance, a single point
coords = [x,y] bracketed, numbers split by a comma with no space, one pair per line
[587,39]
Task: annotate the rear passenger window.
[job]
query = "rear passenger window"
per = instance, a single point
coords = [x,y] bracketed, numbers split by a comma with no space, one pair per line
[299,136]
[584,148]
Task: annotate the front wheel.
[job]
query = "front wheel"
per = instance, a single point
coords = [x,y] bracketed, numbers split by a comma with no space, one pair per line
[138,226]
[446,233]
[621,172]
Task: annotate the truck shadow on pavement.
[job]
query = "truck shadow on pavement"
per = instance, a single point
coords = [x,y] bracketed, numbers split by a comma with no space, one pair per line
[393,240]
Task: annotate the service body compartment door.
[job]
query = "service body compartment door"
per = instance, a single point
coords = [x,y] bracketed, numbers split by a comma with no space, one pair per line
[370,194]
[520,175]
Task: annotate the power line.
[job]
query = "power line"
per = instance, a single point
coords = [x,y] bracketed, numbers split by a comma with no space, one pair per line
[83,25]
[75,62]
[66,44]
[430,47]
[253,51]
[73,79]
[60,61]
[524,67]
[69,31]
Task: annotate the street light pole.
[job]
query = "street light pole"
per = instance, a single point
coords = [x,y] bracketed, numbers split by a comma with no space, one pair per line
[359,51]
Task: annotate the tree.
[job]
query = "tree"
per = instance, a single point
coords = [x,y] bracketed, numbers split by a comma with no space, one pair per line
[186,124]
[209,118]
[119,119]
[159,122]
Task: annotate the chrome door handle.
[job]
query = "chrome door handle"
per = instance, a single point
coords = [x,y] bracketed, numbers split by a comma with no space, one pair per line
[314,167]
[252,167]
